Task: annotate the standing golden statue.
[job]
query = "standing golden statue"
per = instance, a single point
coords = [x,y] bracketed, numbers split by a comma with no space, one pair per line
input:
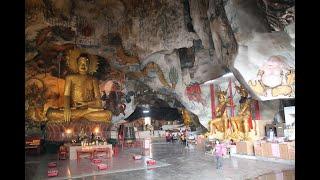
[240,123]
[221,121]
[186,117]
[81,92]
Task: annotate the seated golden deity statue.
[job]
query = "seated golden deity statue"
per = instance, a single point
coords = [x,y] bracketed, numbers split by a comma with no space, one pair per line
[221,121]
[240,123]
[81,92]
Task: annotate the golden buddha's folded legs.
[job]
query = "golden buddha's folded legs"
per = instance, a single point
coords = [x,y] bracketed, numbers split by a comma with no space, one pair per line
[76,114]
[99,116]
[55,115]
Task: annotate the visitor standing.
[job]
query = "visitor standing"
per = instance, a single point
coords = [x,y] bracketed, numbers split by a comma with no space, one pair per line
[220,151]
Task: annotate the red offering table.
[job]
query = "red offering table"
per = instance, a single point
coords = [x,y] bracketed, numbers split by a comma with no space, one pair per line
[151,162]
[52,164]
[96,161]
[102,166]
[136,157]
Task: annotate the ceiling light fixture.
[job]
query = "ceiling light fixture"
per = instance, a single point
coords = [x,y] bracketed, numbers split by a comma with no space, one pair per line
[228,75]
[210,81]
[145,111]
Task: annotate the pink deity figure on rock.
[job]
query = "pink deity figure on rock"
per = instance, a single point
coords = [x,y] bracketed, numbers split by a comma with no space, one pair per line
[275,77]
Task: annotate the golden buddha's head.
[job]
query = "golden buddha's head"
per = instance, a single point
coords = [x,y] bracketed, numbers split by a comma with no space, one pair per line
[83,63]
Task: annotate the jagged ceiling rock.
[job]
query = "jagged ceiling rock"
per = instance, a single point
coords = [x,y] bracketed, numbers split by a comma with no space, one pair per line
[157,26]
[290,29]
[225,44]
[206,67]
[245,19]
[198,13]
[279,13]
[156,39]
[62,7]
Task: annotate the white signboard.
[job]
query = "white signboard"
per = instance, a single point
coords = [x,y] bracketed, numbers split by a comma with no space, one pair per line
[147,143]
[113,134]
[289,113]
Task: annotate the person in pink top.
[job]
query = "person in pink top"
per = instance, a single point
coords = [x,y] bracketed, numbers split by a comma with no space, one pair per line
[220,151]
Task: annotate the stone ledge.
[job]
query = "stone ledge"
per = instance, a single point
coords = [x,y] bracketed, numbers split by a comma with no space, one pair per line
[277,160]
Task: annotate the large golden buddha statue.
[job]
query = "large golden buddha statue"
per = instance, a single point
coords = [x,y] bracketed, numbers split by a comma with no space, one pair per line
[81,92]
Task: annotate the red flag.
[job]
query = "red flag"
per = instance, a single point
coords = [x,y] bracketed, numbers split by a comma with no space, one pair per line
[230,97]
[213,106]
[250,122]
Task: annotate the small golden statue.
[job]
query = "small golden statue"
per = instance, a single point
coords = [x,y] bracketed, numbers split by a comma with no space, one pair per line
[222,121]
[240,123]
[81,92]
[186,117]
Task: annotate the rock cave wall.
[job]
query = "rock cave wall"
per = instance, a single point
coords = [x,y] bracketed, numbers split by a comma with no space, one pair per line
[170,47]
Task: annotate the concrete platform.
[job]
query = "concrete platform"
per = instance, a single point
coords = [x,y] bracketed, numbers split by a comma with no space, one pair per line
[174,161]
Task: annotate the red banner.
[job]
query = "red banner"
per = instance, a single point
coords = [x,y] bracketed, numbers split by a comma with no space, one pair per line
[250,122]
[257,110]
[230,97]
[213,106]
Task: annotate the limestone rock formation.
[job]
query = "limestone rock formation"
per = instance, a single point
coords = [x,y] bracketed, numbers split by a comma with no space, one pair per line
[175,46]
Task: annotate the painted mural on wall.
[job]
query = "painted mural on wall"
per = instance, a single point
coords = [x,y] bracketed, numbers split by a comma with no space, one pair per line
[193,93]
[153,70]
[125,38]
[267,66]
[275,78]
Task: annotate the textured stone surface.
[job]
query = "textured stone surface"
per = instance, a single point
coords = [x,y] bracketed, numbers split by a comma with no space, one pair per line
[198,13]
[245,19]
[200,39]
[225,44]
[206,67]
[158,28]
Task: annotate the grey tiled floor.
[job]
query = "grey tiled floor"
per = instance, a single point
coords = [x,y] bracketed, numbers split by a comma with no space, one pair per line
[174,161]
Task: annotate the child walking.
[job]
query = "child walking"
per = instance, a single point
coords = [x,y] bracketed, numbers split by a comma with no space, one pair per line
[220,151]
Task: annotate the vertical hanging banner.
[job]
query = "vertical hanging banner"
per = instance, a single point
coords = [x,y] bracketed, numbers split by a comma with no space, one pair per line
[250,122]
[213,106]
[231,98]
[257,110]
